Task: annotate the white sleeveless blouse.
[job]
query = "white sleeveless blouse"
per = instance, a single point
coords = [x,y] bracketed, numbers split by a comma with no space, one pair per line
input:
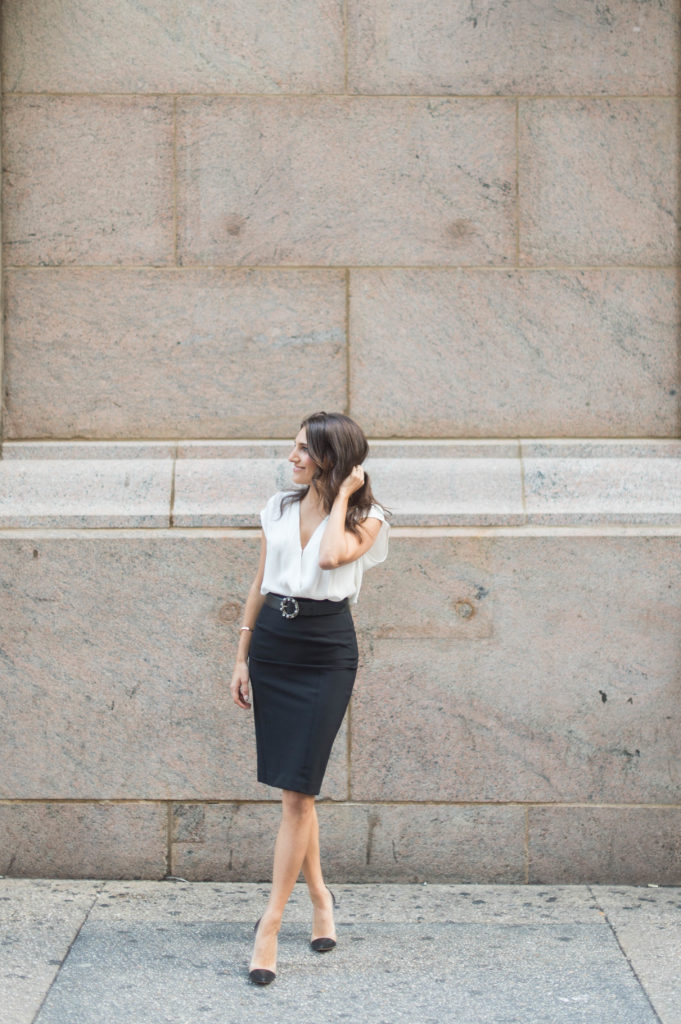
[295,571]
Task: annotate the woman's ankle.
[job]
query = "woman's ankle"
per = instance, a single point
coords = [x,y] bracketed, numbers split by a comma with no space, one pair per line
[271,920]
[320,896]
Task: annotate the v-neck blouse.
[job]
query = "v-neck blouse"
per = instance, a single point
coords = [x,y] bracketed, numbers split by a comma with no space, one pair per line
[295,571]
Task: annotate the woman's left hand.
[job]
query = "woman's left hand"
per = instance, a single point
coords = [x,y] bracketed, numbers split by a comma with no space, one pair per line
[353,481]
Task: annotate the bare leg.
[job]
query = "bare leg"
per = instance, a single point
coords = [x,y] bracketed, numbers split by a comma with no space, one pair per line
[322,902]
[298,814]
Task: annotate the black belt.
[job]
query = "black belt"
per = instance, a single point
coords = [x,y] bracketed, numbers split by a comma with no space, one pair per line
[290,607]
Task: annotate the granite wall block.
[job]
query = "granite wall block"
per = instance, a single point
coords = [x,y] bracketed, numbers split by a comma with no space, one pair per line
[360,842]
[168,353]
[237,46]
[229,842]
[83,840]
[83,493]
[614,486]
[598,181]
[345,180]
[556,687]
[486,353]
[117,656]
[88,179]
[605,845]
[454,46]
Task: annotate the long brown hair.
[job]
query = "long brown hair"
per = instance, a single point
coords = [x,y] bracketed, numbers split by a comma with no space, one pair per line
[336,444]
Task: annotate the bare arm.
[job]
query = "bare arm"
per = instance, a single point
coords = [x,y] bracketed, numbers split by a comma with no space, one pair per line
[239,686]
[338,545]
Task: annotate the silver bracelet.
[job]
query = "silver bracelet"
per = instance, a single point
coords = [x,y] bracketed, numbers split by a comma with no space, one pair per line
[246,627]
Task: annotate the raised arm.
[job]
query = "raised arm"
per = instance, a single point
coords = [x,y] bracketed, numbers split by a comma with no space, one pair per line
[338,545]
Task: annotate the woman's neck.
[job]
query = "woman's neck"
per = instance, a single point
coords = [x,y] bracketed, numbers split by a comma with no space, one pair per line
[313,500]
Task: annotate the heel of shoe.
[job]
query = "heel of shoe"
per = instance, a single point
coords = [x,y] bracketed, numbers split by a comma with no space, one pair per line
[324,944]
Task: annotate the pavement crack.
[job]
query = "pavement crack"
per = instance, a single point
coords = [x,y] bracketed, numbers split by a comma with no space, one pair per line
[72,943]
[624,953]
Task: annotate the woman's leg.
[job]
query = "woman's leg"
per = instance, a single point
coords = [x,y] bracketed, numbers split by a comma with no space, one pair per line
[322,901]
[293,839]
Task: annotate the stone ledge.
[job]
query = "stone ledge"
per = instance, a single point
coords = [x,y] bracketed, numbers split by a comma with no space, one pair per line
[192,484]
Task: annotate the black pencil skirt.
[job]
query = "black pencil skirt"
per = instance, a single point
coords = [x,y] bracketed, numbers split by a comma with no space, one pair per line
[302,672]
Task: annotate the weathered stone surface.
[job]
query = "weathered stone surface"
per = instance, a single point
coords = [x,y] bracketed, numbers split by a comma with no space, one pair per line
[451,46]
[459,491]
[476,353]
[95,451]
[117,655]
[38,922]
[226,484]
[359,842]
[598,181]
[615,487]
[231,491]
[345,181]
[225,491]
[83,840]
[408,843]
[160,353]
[240,46]
[142,967]
[224,842]
[89,180]
[179,951]
[648,928]
[77,492]
[563,692]
[617,845]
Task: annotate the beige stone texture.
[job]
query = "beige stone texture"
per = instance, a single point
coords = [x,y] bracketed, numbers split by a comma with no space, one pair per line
[166,353]
[83,840]
[419,491]
[598,490]
[39,920]
[561,693]
[613,845]
[485,353]
[224,491]
[88,179]
[454,46]
[95,451]
[79,493]
[346,180]
[453,492]
[116,656]
[226,484]
[359,842]
[202,46]
[224,842]
[598,181]
[610,448]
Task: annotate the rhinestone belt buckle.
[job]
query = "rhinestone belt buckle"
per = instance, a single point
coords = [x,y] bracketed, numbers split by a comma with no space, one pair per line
[289,607]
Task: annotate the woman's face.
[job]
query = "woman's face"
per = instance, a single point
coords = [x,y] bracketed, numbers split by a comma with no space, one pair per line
[304,468]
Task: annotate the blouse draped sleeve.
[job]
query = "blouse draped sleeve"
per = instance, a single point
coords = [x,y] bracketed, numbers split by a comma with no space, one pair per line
[378,552]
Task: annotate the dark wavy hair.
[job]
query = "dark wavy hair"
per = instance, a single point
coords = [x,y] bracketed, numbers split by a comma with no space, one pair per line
[336,444]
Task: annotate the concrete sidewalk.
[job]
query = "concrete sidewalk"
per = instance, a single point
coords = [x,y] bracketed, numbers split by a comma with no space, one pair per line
[80,952]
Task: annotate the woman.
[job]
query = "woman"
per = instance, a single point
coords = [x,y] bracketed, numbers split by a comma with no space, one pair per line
[298,645]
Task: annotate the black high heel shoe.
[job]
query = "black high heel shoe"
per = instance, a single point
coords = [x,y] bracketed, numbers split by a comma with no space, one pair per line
[323,945]
[260,975]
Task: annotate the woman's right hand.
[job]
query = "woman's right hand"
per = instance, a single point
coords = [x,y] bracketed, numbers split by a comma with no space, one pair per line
[239,687]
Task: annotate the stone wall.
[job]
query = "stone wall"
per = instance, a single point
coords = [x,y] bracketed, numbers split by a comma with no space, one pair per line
[457,221]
